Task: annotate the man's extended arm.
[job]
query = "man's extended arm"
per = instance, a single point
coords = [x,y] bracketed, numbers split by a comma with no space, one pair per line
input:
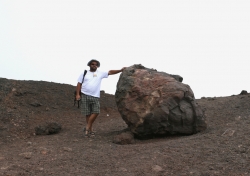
[112,72]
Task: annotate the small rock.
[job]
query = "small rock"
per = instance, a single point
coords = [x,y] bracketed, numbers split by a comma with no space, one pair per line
[9,110]
[243,92]
[35,104]
[44,151]
[26,155]
[48,128]
[4,168]
[67,149]
[123,169]
[228,132]
[157,168]
[238,118]
[124,138]
[214,98]
[1,158]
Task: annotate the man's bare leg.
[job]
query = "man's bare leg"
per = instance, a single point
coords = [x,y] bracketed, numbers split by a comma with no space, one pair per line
[90,120]
[87,121]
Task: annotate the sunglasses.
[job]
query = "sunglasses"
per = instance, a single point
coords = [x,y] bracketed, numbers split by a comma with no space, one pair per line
[94,64]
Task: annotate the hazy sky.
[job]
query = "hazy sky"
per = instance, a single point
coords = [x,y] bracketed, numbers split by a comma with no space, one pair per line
[207,42]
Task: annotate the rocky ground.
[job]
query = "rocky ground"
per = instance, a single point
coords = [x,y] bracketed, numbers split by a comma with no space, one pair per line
[223,149]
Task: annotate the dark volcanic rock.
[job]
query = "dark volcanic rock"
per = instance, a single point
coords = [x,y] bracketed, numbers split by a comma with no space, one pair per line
[243,92]
[157,103]
[35,104]
[48,128]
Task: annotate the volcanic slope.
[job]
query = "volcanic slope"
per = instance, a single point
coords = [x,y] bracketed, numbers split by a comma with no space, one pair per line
[222,149]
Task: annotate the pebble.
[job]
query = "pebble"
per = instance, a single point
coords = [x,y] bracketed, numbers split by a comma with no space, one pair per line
[238,118]
[67,149]
[157,168]
[26,155]
[123,169]
[228,132]
[44,151]
[4,168]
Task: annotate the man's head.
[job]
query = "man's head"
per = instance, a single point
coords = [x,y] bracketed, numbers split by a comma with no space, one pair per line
[96,62]
[93,64]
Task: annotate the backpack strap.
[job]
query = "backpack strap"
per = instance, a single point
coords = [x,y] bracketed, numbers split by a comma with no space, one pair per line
[85,72]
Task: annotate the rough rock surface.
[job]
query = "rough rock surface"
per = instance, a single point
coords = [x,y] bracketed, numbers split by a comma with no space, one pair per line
[157,103]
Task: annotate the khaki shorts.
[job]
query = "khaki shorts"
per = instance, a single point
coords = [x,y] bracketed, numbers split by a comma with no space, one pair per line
[89,105]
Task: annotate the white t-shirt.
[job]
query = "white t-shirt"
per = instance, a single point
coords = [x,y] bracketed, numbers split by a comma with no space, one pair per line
[92,82]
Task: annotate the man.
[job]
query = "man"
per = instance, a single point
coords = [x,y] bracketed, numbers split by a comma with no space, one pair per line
[90,90]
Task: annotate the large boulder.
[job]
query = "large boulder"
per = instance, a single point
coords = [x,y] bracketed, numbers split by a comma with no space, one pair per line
[157,103]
